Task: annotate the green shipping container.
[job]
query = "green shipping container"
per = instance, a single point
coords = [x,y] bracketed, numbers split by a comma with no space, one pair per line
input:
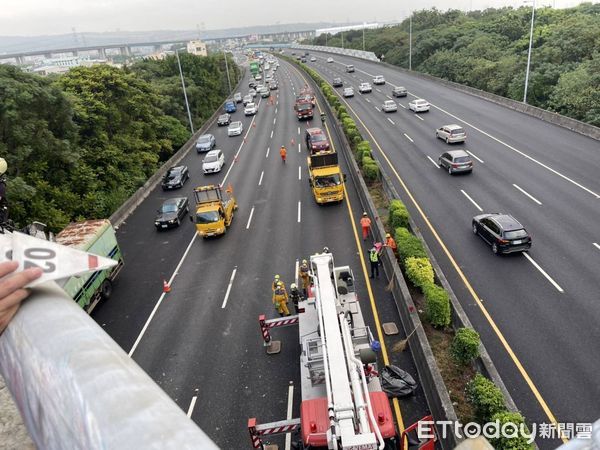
[96,237]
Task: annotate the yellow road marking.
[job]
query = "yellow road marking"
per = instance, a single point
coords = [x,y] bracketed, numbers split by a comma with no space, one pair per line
[384,353]
[487,315]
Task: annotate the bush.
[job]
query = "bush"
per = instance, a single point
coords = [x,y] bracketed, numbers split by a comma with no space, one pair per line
[485,397]
[341,111]
[408,245]
[437,305]
[398,215]
[518,442]
[419,271]
[465,345]
[366,159]
[347,122]
[370,171]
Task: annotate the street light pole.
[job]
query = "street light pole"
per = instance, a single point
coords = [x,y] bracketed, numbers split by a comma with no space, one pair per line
[187,105]
[227,70]
[529,52]
[410,42]
[342,39]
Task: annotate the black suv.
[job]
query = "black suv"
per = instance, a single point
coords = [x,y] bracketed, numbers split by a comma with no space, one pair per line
[224,119]
[503,232]
[337,82]
[175,177]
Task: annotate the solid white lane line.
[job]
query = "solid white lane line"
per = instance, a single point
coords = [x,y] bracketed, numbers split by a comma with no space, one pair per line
[288,436]
[238,152]
[377,108]
[419,117]
[299,213]
[271,134]
[389,97]
[229,288]
[268,150]
[299,147]
[434,163]
[478,159]
[160,299]
[299,172]
[471,200]
[191,407]
[367,100]
[408,137]
[274,120]
[400,104]
[596,245]
[378,90]
[528,194]
[261,177]
[543,272]
[251,214]
[275,110]
[556,172]
[298,130]
[391,121]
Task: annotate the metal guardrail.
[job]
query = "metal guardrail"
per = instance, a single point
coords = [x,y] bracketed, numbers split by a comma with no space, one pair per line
[370,56]
[77,389]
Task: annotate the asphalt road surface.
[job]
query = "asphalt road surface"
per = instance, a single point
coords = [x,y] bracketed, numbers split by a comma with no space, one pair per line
[537,313]
[202,343]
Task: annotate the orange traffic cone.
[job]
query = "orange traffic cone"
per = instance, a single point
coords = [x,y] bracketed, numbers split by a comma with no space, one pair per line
[166,287]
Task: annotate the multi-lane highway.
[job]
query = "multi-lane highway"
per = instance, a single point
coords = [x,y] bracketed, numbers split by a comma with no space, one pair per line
[537,313]
[201,342]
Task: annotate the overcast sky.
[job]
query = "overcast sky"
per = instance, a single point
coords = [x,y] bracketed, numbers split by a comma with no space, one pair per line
[36,17]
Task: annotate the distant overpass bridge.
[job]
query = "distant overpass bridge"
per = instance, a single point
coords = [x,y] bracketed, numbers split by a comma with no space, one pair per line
[126,48]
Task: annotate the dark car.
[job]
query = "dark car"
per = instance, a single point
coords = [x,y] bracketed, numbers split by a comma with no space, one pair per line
[337,82]
[224,119]
[252,84]
[503,232]
[175,177]
[456,161]
[171,213]
[399,91]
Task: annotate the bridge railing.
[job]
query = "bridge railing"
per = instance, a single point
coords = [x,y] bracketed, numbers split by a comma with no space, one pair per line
[340,51]
[76,388]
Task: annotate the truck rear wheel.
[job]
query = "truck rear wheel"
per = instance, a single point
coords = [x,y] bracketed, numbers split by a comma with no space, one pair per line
[106,289]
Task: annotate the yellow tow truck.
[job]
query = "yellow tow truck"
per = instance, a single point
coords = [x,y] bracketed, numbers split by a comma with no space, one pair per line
[213,213]
[325,177]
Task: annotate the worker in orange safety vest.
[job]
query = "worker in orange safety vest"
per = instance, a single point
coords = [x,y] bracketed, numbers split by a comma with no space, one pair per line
[303,274]
[391,243]
[365,223]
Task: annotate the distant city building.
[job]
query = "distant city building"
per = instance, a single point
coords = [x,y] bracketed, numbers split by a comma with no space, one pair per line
[64,64]
[197,48]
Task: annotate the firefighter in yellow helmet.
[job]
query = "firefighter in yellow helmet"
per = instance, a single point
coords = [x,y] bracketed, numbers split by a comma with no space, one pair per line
[280,299]
[303,274]
[276,280]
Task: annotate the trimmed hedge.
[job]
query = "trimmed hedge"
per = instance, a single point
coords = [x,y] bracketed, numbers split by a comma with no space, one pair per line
[437,305]
[419,271]
[465,345]
[408,245]
[398,215]
[519,441]
[370,170]
[486,398]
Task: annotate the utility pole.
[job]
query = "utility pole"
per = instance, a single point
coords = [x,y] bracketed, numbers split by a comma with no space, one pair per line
[187,105]
[227,70]
[342,39]
[410,41]
[529,52]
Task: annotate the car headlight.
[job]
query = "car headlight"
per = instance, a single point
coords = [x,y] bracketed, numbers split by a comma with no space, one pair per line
[157,223]
[172,221]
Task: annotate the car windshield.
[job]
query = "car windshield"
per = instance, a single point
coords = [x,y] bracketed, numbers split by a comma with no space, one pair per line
[457,131]
[234,125]
[515,234]
[318,138]
[304,106]
[328,181]
[462,159]
[204,139]
[207,217]
[173,173]
[223,117]
[210,158]
[169,208]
